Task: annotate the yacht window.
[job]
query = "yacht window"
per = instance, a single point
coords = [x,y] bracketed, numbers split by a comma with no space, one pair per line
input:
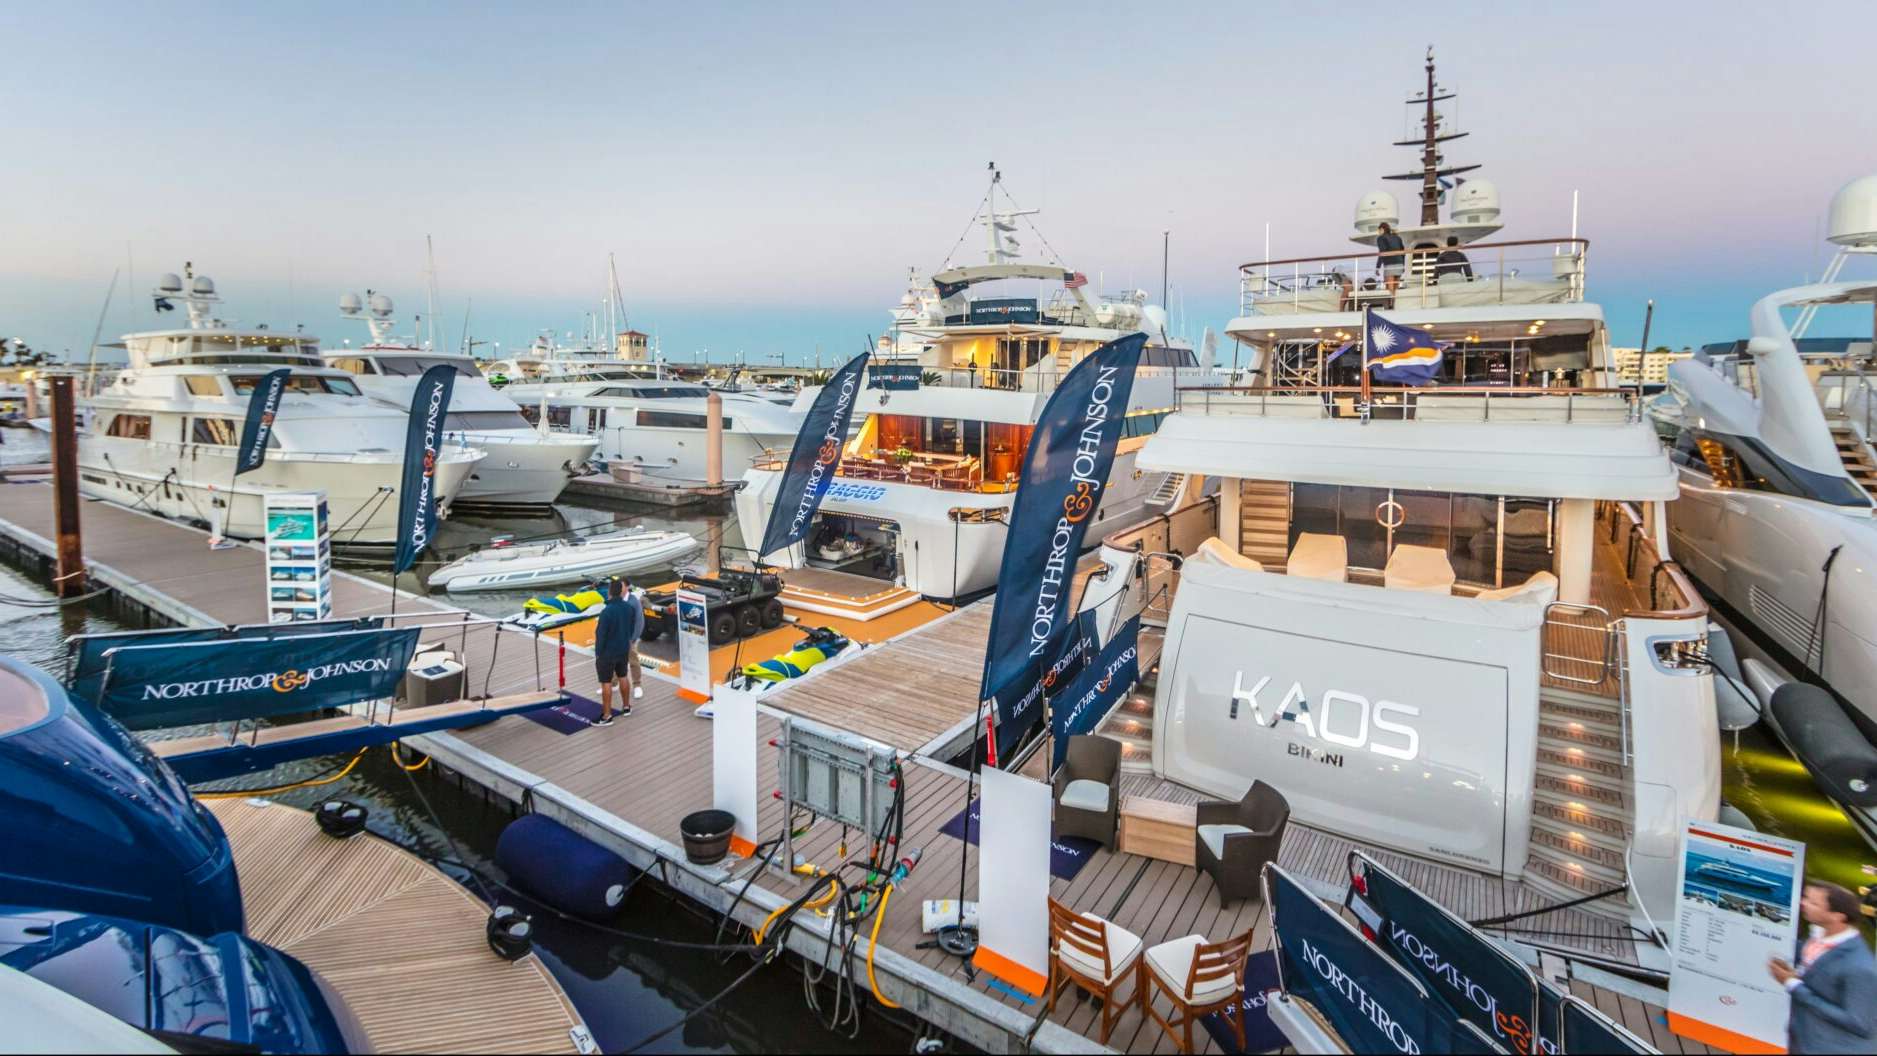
[1142,424]
[460,421]
[675,420]
[355,365]
[130,427]
[560,417]
[1162,356]
[203,384]
[414,366]
[219,431]
[244,384]
[1468,528]
[942,435]
[655,392]
[1529,527]
[248,360]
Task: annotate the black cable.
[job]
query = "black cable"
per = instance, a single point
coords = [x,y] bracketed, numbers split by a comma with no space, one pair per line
[698,1011]
[1491,922]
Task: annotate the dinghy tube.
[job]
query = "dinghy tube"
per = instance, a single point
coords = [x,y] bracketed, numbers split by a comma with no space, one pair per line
[1842,760]
[562,868]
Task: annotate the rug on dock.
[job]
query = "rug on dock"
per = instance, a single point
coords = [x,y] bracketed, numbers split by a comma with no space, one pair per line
[1067,854]
[577,714]
[1261,1035]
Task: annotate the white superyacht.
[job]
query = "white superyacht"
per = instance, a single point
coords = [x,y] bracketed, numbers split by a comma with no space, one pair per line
[527,467]
[1435,619]
[162,434]
[927,479]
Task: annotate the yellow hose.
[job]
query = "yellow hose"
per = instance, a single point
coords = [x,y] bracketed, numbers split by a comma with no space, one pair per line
[245,792]
[397,758]
[873,941]
[833,890]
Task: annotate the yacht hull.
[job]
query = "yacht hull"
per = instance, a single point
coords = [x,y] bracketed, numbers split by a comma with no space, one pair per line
[525,568]
[682,454]
[522,470]
[932,554]
[191,483]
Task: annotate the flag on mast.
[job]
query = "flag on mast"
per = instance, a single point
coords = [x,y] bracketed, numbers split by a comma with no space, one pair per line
[1400,355]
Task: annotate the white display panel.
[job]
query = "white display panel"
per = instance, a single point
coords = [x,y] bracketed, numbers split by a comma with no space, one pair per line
[299,557]
[1737,905]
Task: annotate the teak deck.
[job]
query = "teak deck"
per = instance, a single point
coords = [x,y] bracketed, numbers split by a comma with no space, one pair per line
[628,785]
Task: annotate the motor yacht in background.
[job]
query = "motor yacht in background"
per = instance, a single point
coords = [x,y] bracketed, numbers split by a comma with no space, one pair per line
[1433,618]
[162,433]
[527,467]
[1778,475]
[929,476]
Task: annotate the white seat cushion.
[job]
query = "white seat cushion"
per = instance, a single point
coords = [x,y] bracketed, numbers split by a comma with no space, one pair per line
[1319,556]
[1086,795]
[1123,947]
[1215,550]
[1213,836]
[1173,959]
[1421,568]
[1541,589]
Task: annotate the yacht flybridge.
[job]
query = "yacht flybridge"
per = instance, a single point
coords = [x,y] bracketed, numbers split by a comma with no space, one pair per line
[926,481]
[528,466]
[1778,476]
[162,434]
[1436,619]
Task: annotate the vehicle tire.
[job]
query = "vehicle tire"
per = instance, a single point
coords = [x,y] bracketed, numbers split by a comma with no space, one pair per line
[772,614]
[654,629]
[749,621]
[722,627]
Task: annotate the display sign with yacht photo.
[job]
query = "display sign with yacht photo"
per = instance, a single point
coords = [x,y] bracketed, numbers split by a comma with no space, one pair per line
[1739,906]
[299,560]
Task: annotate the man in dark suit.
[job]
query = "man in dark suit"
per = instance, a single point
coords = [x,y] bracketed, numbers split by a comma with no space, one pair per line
[1834,986]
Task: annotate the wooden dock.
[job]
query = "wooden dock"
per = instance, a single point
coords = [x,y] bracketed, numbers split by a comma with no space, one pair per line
[627,786]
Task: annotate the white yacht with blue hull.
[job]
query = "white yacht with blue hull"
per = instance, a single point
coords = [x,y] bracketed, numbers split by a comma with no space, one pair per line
[928,477]
[1778,476]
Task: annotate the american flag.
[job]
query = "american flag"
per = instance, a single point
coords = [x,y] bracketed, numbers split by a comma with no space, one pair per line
[1075,281]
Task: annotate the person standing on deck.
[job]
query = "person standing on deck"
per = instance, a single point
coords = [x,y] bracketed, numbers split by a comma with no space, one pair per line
[616,650]
[1834,986]
[1390,257]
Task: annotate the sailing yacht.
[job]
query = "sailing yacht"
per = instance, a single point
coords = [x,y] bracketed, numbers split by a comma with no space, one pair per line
[1778,476]
[527,466]
[162,434]
[1434,618]
[926,481]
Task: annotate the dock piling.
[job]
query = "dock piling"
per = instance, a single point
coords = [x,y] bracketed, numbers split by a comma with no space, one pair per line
[70,580]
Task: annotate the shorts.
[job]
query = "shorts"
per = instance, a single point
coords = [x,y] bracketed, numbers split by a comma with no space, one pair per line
[615,667]
[1392,271]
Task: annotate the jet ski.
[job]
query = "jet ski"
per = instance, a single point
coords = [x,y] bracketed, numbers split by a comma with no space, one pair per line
[821,645]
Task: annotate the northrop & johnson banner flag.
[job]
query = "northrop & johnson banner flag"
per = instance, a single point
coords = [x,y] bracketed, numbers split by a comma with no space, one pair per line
[423,444]
[813,459]
[262,406]
[1064,473]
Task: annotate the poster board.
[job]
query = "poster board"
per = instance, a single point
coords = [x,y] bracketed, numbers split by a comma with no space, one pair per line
[298,556]
[1737,905]
[733,764]
[693,647]
[1013,861]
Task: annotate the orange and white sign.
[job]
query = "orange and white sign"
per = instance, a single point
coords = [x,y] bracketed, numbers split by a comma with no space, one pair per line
[1737,907]
[1013,880]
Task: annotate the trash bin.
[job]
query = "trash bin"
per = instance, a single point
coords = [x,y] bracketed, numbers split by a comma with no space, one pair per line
[431,680]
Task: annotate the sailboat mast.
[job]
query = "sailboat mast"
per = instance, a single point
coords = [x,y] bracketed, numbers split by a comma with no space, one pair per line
[1430,154]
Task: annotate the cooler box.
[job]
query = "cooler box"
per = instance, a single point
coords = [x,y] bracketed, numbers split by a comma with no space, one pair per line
[433,678]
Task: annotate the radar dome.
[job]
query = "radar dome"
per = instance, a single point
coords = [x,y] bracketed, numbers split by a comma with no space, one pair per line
[380,305]
[202,286]
[349,304]
[1475,202]
[1853,220]
[169,282]
[1375,209]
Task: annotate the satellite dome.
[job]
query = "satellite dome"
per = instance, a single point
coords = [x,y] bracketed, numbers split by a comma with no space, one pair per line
[169,282]
[202,286]
[349,304]
[1375,209]
[1476,202]
[1853,217]
[380,305]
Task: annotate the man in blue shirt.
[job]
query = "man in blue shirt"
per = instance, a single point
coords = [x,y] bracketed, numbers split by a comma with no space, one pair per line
[616,650]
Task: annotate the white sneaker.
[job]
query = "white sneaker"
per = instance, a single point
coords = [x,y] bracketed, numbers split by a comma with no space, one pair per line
[638,692]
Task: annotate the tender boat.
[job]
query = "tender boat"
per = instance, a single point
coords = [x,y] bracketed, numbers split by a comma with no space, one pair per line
[162,434]
[927,479]
[563,561]
[528,466]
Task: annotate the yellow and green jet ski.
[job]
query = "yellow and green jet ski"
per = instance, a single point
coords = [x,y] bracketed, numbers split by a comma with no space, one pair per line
[821,645]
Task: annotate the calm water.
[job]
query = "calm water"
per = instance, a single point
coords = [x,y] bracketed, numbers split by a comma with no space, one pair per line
[624,989]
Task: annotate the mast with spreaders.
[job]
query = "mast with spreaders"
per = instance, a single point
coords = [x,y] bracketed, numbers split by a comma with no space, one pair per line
[1431,170]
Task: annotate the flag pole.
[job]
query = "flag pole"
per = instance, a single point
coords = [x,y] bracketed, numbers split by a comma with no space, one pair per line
[1364,338]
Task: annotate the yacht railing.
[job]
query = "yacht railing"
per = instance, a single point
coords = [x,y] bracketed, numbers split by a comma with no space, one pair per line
[1537,271]
[1672,595]
[1040,377]
[1848,393]
[1398,403]
[196,450]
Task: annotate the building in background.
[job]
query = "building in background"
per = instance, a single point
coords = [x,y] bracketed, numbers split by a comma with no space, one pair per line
[1634,365]
[632,345]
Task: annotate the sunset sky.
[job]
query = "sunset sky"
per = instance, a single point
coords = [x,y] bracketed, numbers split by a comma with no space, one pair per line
[766,174]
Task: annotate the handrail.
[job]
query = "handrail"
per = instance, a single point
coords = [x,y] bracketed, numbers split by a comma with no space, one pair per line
[1692,607]
[1441,390]
[1581,243]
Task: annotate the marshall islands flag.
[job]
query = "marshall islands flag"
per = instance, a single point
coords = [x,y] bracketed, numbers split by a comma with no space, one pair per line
[1401,355]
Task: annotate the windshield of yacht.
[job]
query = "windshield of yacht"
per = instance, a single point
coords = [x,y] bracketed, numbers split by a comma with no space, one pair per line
[244,384]
[656,392]
[472,421]
[413,366]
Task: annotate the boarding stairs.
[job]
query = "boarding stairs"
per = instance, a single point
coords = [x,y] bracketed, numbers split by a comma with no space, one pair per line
[1581,811]
[1264,521]
[1166,492]
[1295,365]
[1132,723]
[1855,452]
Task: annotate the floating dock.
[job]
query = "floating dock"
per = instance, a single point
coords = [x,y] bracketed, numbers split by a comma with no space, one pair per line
[911,686]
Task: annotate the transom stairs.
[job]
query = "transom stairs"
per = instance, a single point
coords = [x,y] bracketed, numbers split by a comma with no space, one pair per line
[1581,819]
[1264,521]
[1856,455]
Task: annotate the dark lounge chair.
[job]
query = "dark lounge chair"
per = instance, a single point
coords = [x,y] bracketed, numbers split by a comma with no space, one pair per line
[1088,794]
[1234,840]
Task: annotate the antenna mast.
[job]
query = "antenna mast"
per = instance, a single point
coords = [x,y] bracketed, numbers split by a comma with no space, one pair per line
[1431,138]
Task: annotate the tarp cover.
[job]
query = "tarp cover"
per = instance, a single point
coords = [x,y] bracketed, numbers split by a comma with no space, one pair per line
[184,683]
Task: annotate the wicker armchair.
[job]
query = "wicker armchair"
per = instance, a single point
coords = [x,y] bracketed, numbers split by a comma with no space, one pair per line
[1082,809]
[1234,840]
